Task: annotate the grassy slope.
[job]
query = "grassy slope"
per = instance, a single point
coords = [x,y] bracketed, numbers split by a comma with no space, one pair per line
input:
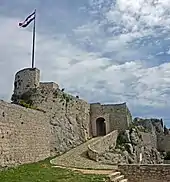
[43,172]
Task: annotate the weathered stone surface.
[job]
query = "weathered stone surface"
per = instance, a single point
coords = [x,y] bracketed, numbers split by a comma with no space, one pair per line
[101,145]
[134,136]
[127,136]
[116,116]
[130,146]
[24,135]
[64,122]
[160,138]
[69,118]
[146,173]
[166,131]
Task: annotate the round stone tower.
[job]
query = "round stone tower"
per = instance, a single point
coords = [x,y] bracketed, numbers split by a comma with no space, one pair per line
[26,79]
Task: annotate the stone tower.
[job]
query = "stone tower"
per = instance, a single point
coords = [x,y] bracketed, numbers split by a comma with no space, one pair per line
[26,79]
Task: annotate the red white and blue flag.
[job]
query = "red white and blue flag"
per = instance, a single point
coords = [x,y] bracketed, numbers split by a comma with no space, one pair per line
[28,20]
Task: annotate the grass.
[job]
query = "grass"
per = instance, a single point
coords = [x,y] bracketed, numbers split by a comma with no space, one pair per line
[43,172]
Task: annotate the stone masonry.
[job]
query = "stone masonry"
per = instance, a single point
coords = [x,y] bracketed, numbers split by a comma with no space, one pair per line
[146,173]
[69,118]
[116,116]
[26,79]
[72,120]
[55,123]
[24,135]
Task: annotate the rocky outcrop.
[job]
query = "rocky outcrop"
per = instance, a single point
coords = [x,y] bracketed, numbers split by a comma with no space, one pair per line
[130,149]
[159,130]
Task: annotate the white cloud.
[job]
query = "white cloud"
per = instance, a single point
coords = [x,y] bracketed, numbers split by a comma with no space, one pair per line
[123,76]
[55,56]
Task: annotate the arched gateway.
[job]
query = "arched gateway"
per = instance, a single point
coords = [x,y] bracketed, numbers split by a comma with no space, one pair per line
[100,126]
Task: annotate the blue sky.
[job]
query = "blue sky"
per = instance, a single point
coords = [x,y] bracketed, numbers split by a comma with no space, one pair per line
[104,51]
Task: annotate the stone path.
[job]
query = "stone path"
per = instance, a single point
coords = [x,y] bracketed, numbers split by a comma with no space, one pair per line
[77,158]
[88,171]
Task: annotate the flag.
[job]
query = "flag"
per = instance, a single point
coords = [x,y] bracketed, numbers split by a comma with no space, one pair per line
[28,20]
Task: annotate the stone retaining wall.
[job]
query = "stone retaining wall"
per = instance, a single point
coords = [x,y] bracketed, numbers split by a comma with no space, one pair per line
[146,173]
[101,145]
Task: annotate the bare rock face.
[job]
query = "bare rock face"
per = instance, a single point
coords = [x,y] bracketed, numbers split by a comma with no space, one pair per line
[127,136]
[166,131]
[68,115]
[151,156]
[129,150]
[134,136]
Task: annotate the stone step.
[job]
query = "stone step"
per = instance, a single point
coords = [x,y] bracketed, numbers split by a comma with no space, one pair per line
[114,174]
[117,178]
[123,180]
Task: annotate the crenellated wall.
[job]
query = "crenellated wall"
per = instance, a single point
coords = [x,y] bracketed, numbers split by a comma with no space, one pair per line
[24,135]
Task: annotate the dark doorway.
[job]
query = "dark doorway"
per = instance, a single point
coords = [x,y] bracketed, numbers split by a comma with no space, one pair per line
[101,127]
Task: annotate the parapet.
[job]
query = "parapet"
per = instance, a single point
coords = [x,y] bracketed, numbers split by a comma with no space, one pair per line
[115,105]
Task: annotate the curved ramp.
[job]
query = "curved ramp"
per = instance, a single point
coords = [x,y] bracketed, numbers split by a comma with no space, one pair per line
[77,158]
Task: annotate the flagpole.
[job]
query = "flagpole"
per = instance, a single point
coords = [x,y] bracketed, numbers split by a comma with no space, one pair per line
[33,42]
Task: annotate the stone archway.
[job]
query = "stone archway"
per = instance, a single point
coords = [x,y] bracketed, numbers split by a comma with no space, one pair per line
[100,126]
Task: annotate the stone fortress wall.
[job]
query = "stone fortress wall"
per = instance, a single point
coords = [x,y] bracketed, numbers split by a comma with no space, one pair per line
[56,123]
[24,135]
[69,118]
[79,116]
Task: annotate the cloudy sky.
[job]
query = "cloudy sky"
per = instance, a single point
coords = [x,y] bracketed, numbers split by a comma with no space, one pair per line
[107,51]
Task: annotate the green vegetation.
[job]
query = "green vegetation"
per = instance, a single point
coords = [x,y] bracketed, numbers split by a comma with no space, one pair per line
[120,139]
[66,97]
[44,172]
[30,106]
[27,105]
[120,142]
[131,125]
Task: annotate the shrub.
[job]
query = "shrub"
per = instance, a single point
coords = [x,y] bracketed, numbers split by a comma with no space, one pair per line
[27,105]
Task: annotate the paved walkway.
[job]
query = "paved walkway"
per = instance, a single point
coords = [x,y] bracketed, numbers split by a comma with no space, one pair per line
[88,171]
[77,158]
